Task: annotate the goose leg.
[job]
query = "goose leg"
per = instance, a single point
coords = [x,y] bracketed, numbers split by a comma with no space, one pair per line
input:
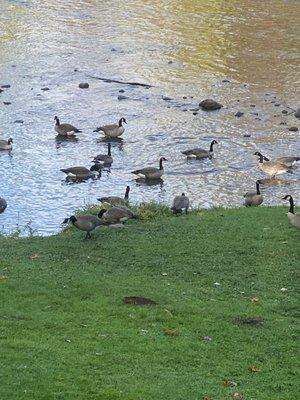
[88,236]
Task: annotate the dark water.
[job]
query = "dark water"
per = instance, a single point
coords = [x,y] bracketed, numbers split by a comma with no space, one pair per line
[182,48]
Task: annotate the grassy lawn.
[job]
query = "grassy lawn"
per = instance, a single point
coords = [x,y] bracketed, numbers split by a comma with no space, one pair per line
[65,332]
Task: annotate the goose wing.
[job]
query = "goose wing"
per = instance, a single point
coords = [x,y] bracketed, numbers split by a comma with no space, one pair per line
[76,170]
[145,171]
[180,202]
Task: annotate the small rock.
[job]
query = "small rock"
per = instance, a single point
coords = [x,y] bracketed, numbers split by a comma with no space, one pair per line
[5,86]
[184,109]
[122,97]
[75,70]
[113,49]
[194,109]
[184,97]
[195,113]
[238,101]
[121,91]
[225,80]
[284,111]
[239,114]
[247,135]
[84,85]
[45,89]
[297,113]
[293,129]
[170,62]
[6,103]
[210,105]
[254,113]
[252,105]
[166,98]
[282,123]
[18,121]
[1,90]
[277,104]
[273,101]
[13,65]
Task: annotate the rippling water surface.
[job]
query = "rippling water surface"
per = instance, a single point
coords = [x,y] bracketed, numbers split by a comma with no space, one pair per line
[185,49]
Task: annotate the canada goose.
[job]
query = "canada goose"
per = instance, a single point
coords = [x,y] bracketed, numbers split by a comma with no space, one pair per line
[180,203]
[272,168]
[82,172]
[3,205]
[115,200]
[113,130]
[6,144]
[116,214]
[289,161]
[65,129]
[151,172]
[104,158]
[85,223]
[293,217]
[199,153]
[253,198]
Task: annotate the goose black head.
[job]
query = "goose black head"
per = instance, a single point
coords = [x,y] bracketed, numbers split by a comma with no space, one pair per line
[96,167]
[56,119]
[182,194]
[214,142]
[287,197]
[163,159]
[101,212]
[257,153]
[122,120]
[73,219]
[10,140]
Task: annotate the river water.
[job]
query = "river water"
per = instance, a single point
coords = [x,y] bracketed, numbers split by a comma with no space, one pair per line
[243,54]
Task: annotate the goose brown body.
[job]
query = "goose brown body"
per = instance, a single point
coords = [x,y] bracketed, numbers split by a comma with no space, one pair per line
[294,218]
[116,214]
[272,168]
[113,130]
[180,203]
[115,200]
[85,223]
[6,144]
[104,158]
[151,172]
[253,198]
[65,129]
[200,153]
[82,172]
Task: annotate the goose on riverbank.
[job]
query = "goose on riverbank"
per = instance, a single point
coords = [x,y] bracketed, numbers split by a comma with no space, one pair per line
[253,198]
[116,214]
[293,217]
[81,173]
[3,205]
[104,158]
[113,130]
[115,200]
[199,153]
[65,129]
[6,144]
[86,223]
[180,203]
[151,172]
[272,168]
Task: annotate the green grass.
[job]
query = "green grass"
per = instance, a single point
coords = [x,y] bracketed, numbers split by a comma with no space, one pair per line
[66,334]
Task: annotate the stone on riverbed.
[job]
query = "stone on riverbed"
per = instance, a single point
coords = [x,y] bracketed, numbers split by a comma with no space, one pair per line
[84,85]
[293,129]
[210,105]
[297,113]
[239,114]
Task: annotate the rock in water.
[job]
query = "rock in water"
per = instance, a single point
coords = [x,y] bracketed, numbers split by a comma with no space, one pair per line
[210,105]
[84,85]
[239,114]
[297,113]
[293,129]
[3,205]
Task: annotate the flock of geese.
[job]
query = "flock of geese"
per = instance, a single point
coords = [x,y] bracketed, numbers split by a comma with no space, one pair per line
[118,211]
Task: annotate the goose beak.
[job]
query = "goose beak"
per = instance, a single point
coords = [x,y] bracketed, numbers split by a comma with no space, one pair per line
[65,221]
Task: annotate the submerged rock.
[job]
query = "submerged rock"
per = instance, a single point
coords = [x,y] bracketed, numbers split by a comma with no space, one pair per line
[3,205]
[210,105]
[297,113]
[122,97]
[45,89]
[18,121]
[293,129]
[239,114]
[84,85]
[5,86]
[284,111]
[166,98]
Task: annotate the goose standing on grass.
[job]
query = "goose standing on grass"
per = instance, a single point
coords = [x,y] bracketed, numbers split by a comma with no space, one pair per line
[272,168]
[81,173]
[3,205]
[116,214]
[151,172]
[113,130]
[6,144]
[180,203]
[115,200]
[288,161]
[293,217]
[104,158]
[199,153]
[65,129]
[253,198]
[85,223]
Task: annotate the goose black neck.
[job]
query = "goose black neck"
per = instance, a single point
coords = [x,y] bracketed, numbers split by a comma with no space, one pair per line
[109,149]
[57,121]
[261,159]
[161,164]
[257,188]
[101,212]
[126,197]
[291,210]
[120,122]
[211,149]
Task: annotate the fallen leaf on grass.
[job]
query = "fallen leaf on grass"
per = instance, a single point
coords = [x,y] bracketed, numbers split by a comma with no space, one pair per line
[171,332]
[283,289]
[207,338]
[237,396]
[252,368]
[254,299]
[3,277]
[227,383]
[169,312]
[33,256]
[68,340]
